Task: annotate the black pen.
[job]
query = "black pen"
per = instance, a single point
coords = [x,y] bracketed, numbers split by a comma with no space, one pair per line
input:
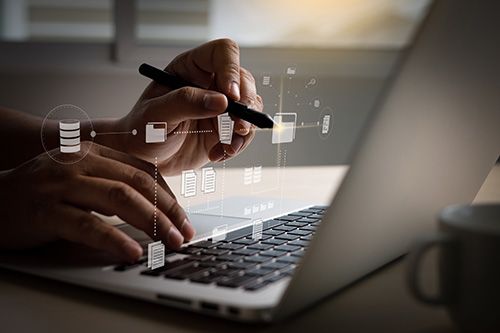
[234,108]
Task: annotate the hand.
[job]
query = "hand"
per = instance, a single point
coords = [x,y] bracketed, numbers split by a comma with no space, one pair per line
[43,201]
[189,111]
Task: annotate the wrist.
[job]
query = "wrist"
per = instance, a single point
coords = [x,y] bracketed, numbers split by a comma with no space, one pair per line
[104,132]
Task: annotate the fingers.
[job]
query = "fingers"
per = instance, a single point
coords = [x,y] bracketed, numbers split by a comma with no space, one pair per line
[188,103]
[144,183]
[78,226]
[110,197]
[249,97]
[221,57]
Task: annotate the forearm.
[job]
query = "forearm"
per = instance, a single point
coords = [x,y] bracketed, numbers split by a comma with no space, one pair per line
[22,138]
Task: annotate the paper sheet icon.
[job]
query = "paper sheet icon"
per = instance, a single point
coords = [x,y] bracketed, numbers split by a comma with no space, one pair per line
[225,126]
[188,183]
[156,255]
[208,180]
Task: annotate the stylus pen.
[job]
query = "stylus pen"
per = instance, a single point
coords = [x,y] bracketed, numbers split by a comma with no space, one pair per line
[234,108]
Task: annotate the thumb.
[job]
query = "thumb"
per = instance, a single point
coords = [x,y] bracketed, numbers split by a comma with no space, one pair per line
[188,103]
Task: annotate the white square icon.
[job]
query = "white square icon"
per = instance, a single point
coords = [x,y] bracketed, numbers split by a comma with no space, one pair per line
[208,180]
[156,131]
[156,255]
[284,131]
[225,126]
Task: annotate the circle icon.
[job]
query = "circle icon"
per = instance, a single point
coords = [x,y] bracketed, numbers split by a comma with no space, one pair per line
[61,133]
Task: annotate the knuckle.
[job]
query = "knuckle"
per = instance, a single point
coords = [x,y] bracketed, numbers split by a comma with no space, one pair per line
[232,69]
[142,180]
[186,94]
[247,75]
[120,193]
[229,44]
[85,223]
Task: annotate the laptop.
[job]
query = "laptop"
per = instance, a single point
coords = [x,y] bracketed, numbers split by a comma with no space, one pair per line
[430,141]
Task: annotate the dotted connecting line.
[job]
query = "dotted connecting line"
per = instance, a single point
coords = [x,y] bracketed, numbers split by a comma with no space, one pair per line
[193,132]
[222,185]
[155,217]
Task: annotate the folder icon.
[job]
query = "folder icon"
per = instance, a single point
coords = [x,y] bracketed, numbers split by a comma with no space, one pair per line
[156,132]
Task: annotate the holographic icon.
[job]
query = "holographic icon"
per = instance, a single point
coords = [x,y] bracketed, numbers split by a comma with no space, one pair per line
[156,255]
[156,131]
[257,229]
[188,183]
[208,180]
[316,103]
[284,131]
[325,128]
[266,80]
[225,126]
[219,233]
[69,136]
[291,70]
[312,82]
[252,175]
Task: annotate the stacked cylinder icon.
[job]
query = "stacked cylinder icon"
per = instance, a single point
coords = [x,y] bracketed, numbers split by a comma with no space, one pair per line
[69,136]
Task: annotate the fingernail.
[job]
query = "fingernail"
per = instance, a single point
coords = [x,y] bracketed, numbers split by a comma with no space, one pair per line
[175,239]
[187,229]
[133,250]
[213,101]
[235,90]
[243,130]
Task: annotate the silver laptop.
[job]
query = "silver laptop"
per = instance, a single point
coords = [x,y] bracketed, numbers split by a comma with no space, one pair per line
[431,141]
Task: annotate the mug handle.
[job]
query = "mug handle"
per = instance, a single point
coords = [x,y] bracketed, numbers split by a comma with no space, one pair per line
[414,259]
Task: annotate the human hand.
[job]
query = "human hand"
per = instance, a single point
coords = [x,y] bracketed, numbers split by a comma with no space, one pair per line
[191,113]
[43,201]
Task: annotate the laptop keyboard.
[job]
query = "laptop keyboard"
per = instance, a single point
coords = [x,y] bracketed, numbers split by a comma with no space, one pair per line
[239,261]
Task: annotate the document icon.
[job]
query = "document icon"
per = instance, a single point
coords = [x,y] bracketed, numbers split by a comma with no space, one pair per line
[188,183]
[156,131]
[326,124]
[257,174]
[225,126]
[247,176]
[156,255]
[284,130]
[257,229]
[208,180]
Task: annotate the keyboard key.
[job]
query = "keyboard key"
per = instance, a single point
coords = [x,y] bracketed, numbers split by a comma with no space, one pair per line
[168,267]
[289,259]
[274,223]
[213,264]
[316,216]
[181,274]
[245,241]
[287,270]
[245,252]
[296,224]
[237,281]
[206,279]
[257,259]
[126,267]
[306,238]
[255,285]
[191,250]
[300,232]
[309,228]
[310,210]
[272,253]
[204,244]
[230,246]
[260,246]
[298,253]
[284,228]
[229,257]
[288,218]
[275,265]
[215,252]
[287,247]
[288,237]
[201,257]
[299,242]
[259,271]
[308,220]
[262,237]
[273,232]
[274,241]
[241,265]
[301,214]
[227,272]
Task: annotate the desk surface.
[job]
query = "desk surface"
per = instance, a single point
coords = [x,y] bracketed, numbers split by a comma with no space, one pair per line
[379,303]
